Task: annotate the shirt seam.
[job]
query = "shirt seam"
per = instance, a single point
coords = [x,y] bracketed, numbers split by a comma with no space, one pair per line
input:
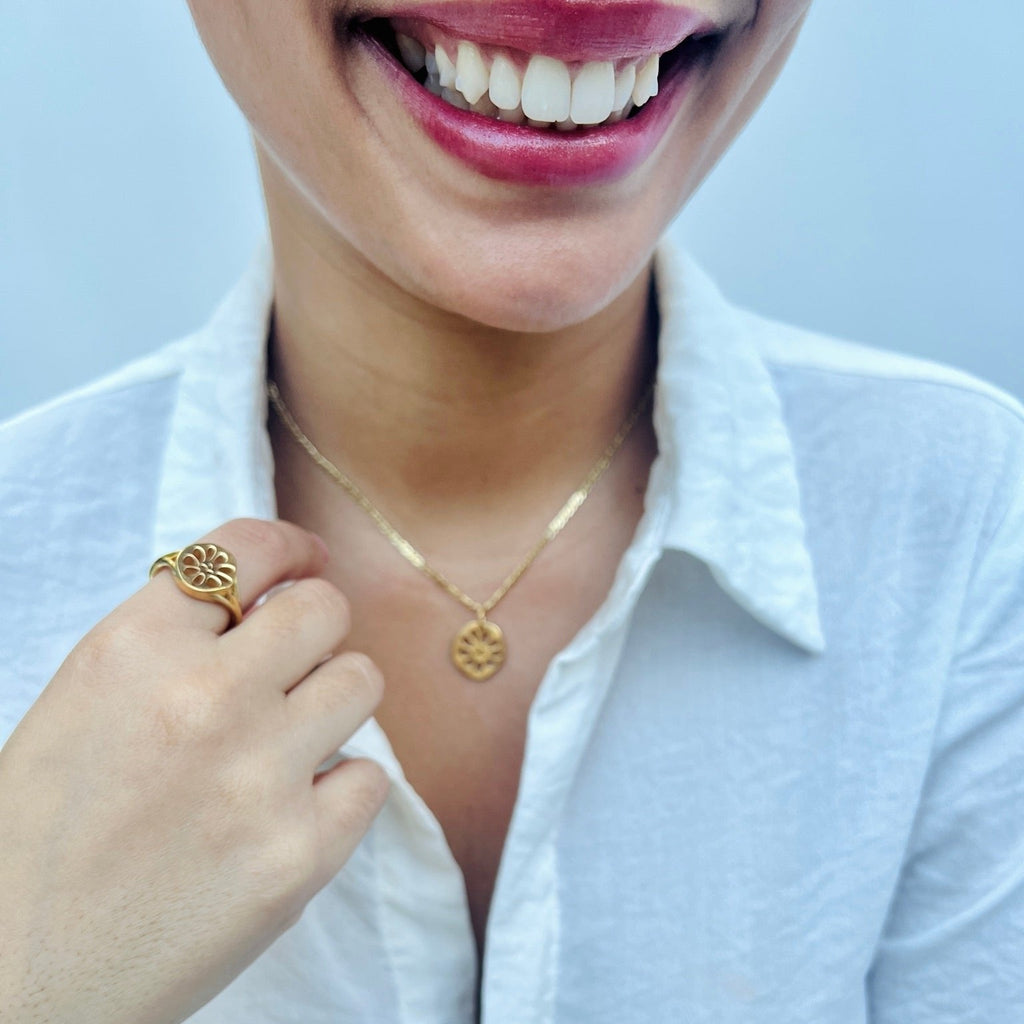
[1007,403]
[87,393]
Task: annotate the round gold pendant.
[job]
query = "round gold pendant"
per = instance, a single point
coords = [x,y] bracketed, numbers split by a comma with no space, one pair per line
[478,650]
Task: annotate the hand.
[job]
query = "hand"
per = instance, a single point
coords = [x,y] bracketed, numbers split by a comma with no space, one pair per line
[161,819]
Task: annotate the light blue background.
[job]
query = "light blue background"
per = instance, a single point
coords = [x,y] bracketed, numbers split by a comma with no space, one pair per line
[878,195]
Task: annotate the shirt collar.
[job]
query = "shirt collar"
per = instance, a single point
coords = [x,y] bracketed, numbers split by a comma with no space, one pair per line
[726,463]
[218,463]
[734,494]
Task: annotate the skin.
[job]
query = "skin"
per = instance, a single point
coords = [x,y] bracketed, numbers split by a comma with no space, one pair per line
[466,323]
[161,822]
[505,328]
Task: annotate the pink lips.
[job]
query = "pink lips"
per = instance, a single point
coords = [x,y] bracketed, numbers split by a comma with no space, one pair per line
[571,30]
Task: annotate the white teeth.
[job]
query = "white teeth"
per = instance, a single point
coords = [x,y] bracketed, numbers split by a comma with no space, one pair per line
[455,98]
[620,115]
[546,96]
[512,116]
[414,54]
[646,81]
[445,68]
[547,90]
[593,93]
[624,82]
[506,90]
[471,78]
[484,106]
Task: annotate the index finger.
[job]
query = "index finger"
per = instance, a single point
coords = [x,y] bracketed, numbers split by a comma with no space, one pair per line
[266,553]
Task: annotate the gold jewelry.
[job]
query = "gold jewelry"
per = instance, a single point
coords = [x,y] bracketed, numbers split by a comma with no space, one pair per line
[207,573]
[479,649]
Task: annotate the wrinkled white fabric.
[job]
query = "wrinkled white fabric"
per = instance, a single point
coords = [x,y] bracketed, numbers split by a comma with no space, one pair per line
[777,779]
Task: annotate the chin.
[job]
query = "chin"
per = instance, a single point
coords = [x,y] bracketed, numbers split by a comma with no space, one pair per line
[526,285]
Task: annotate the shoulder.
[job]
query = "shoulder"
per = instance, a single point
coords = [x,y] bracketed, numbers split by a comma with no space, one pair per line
[847,407]
[79,478]
[807,363]
[90,434]
[889,418]
[911,473]
[121,389]
[83,442]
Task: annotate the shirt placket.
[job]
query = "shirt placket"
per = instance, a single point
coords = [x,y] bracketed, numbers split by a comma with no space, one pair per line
[421,900]
[521,954]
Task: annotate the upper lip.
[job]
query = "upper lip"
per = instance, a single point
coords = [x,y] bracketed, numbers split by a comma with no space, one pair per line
[570,30]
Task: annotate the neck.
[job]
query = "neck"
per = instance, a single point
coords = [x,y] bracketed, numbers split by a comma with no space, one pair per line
[429,412]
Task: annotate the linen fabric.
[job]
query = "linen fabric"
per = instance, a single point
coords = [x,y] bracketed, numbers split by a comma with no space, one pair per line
[777,779]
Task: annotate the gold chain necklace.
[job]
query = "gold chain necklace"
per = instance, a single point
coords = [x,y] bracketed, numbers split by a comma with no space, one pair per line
[479,649]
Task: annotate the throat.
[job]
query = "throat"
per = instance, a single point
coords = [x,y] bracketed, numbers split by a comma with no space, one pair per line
[465,434]
[439,419]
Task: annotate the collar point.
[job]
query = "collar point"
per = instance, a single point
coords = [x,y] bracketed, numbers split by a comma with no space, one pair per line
[809,637]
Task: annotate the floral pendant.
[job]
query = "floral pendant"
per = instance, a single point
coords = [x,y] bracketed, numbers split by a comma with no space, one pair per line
[479,650]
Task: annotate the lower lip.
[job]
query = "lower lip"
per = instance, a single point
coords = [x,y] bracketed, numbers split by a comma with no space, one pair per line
[530,156]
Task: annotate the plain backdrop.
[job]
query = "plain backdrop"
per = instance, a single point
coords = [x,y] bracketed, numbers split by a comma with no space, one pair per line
[878,194]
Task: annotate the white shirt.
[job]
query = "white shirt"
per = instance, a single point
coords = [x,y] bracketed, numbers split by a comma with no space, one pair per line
[777,779]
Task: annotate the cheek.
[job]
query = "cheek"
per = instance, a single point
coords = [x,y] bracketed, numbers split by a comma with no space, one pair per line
[749,65]
[776,20]
[255,45]
[221,26]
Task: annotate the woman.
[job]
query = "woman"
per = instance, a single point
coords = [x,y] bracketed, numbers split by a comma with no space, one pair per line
[735,736]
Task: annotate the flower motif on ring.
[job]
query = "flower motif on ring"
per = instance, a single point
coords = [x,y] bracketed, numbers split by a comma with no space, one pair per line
[207,567]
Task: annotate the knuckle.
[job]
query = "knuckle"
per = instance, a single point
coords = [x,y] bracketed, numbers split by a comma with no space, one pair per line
[261,535]
[305,603]
[281,874]
[110,648]
[378,785]
[368,796]
[240,786]
[102,646]
[292,916]
[319,597]
[292,857]
[361,675]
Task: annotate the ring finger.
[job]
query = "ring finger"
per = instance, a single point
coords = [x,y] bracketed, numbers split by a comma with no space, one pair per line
[265,553]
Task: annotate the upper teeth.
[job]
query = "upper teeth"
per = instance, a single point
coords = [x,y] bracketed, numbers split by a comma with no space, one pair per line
[548,92]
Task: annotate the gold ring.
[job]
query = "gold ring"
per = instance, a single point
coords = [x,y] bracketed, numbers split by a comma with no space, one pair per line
[207,573]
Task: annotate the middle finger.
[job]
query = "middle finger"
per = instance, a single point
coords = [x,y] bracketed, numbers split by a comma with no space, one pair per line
[283,640]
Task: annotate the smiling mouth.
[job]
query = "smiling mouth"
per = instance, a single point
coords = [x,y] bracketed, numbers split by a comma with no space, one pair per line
[534,65]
